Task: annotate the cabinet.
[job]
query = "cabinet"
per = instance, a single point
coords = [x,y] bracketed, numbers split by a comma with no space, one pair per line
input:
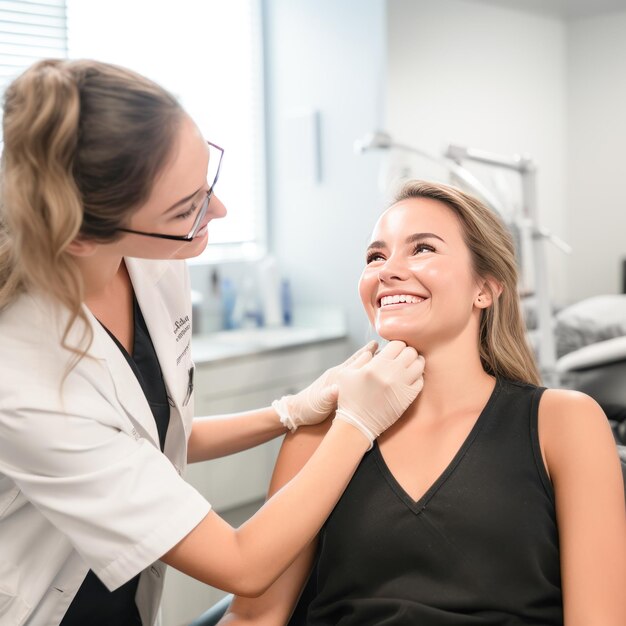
[237,484]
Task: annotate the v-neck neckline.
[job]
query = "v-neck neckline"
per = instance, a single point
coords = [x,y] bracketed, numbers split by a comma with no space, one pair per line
[417,506]
[133,347]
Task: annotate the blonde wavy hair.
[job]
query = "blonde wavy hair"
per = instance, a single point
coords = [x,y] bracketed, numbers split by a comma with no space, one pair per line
[83,143]
[504,350]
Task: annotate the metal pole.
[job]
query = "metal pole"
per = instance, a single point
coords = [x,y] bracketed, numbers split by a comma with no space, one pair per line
[528,172]
[547,345]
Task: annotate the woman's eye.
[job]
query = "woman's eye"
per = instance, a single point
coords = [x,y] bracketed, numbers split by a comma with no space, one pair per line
[423,247]
[188,212]
[374,256]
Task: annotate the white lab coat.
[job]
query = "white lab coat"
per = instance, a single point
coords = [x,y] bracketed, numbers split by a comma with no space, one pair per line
[83,483]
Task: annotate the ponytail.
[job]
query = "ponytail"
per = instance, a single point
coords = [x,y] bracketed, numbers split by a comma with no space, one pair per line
[40,206]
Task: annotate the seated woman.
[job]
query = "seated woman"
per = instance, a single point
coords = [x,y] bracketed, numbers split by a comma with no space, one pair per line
[493,501]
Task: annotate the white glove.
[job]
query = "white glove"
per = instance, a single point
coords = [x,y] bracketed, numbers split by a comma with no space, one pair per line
[315,403]
[375,395]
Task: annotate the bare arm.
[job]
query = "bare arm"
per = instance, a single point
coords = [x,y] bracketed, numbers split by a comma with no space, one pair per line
[220,435]
[249,559]
[274,607]
[582,461]
[212,437]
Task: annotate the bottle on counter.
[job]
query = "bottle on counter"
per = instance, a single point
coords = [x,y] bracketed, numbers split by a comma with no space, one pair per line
[229,299]
[269,290]
[213,309]
[247,312]
[286,302]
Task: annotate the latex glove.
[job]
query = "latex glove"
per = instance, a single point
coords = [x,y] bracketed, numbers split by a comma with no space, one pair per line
[375,395]
[315,403]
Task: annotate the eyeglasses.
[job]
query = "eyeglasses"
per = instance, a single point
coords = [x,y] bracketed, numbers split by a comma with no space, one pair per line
[203,208]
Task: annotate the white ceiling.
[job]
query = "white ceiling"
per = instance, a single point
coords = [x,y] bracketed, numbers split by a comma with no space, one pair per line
[567,9]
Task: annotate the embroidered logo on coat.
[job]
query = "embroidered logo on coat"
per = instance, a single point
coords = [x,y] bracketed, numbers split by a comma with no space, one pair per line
[181,327]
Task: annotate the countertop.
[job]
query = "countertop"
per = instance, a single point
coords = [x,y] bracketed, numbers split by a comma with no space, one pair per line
[309,327]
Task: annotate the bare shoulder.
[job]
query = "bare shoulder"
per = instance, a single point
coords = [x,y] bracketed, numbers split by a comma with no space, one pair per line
[297,448]
[573,430]
[566,406]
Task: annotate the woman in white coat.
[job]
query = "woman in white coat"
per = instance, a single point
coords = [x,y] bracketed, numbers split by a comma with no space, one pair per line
[106,186]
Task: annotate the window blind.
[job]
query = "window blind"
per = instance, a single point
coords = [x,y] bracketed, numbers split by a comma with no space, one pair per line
[29,31]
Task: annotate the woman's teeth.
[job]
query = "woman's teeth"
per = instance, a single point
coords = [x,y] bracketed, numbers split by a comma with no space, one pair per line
[385,300]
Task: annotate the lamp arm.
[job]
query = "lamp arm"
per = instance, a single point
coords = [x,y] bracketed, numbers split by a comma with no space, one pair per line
[461,173]
[517,163]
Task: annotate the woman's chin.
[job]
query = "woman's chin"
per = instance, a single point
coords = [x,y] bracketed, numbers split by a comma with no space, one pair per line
[396,334]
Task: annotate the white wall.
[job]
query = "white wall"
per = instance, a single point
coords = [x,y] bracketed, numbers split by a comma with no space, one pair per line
[488,77]
[498,78]
[597,158]
[326,56]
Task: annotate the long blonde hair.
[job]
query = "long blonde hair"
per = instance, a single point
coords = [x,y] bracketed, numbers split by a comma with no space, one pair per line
[83,143]
[504,350]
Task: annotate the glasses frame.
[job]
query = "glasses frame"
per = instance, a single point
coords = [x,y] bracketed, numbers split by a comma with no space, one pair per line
[199,217]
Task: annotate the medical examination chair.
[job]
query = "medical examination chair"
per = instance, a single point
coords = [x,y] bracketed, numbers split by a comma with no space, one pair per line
[599,370]
[214,614]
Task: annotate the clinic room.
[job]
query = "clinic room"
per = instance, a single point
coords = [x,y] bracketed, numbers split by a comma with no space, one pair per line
[312,312]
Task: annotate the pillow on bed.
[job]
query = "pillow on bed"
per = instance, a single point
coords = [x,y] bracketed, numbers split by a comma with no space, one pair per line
[590,321]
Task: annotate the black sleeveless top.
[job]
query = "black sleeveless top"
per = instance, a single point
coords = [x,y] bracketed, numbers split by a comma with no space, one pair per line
[480,547]
[94,604]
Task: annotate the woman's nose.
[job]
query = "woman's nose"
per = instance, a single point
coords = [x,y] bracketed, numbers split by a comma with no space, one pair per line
[393,269]
[216,207]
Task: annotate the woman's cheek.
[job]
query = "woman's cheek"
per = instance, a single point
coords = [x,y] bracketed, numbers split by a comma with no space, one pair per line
[367,286]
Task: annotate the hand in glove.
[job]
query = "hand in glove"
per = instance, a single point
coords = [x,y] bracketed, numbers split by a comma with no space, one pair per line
[315,403]
[373,396]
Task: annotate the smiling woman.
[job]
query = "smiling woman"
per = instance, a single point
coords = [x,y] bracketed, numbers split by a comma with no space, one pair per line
[467,510]
[469,250]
